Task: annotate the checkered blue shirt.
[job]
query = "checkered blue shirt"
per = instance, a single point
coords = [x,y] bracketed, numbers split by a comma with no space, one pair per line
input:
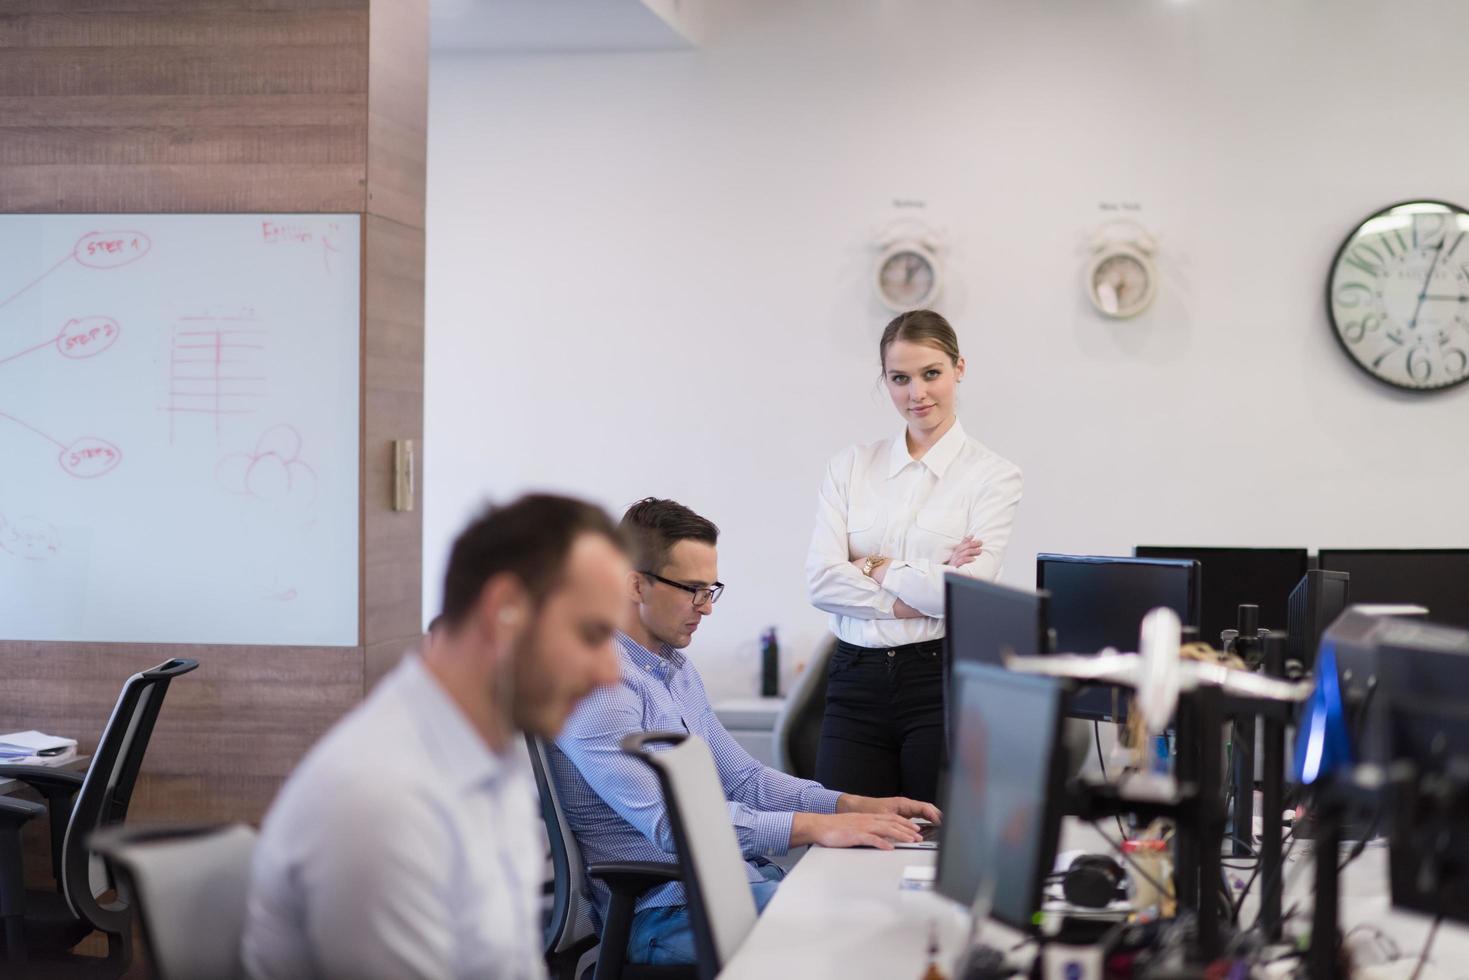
[613,801]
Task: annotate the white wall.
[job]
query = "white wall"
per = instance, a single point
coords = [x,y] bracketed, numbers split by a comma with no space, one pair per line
[647,274]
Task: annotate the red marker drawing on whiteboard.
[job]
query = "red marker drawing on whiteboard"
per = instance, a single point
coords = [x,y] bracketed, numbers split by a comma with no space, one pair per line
[30,538]
[275,470]
[86,458]
[96,250]
[205,376]
[80,337]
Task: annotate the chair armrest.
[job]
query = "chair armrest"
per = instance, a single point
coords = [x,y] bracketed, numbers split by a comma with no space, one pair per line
[14,813]
[58,786]
[44,780]
[633,878]
[628,881]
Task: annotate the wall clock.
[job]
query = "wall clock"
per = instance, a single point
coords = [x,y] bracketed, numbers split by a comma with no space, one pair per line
[1121,279]
[1398,295]
[908,274]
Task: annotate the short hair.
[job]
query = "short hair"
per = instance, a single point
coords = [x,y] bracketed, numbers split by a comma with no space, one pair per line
[652,527]
[920,327]
[529,538]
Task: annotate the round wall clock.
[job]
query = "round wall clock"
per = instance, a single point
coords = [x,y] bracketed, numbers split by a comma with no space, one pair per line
[1121,279]
[1398,295]
[908,275]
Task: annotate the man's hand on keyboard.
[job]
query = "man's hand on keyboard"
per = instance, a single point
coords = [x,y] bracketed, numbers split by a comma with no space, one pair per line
[880,830]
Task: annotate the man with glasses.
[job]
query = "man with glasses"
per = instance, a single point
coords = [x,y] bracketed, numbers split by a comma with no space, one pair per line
[613,802]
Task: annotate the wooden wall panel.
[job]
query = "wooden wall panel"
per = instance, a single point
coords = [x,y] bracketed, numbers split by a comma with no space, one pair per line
[393,347]
[392,409]
[234,106]
[397,112]
[228,733]
[126,105]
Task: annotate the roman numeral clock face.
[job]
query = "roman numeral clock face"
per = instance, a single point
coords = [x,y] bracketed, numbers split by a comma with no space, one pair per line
[1399,295]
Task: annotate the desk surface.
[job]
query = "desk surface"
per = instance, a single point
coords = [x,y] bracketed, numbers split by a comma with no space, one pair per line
[841,916]
[756,713]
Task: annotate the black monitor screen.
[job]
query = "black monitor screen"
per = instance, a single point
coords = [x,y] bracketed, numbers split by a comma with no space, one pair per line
[1315,603]
[1436,579]
[1232,577]
[1100,602]
[1424,671]
[984,621]
[1003,816]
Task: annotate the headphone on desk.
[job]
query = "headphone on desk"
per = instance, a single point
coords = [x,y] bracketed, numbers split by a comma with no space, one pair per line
[1094,881]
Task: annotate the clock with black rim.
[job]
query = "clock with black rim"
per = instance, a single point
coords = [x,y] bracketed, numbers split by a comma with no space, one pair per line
[1398,295]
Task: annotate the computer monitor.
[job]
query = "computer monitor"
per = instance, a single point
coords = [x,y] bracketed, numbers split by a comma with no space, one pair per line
[1381,657]
[1423,672]
[1315,602]
[1438,579]
[1098,602]
[1004,792]
[1232,577]
[984,621]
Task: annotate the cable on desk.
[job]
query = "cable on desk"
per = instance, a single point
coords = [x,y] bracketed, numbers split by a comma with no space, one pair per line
[1285,887]
[1245,844]
[1427,945]
[1390,950]
[1288,842]
[1097,734]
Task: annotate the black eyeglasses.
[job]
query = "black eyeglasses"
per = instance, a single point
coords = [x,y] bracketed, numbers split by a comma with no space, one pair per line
[701,593]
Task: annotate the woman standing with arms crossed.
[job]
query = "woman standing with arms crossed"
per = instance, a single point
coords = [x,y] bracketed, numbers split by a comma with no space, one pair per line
[893,517]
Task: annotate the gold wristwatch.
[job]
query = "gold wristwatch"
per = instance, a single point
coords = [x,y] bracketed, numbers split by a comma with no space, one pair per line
[871,563]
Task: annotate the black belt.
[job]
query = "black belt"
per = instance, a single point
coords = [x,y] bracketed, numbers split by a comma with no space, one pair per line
[927,646]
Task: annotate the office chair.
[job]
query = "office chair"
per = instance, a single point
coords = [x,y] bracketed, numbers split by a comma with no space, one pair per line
[189,886]
[721,908]
[570,932]
[48,924]
[798,727]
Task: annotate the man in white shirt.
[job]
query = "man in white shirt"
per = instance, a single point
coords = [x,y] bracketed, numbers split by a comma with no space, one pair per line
[407,842]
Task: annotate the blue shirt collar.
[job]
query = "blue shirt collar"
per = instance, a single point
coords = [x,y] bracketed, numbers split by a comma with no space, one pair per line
[664,663]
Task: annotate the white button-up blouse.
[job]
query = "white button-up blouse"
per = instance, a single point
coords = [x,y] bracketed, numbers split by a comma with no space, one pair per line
[877,500]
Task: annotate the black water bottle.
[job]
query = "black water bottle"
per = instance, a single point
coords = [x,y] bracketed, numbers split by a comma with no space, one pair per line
[769,665]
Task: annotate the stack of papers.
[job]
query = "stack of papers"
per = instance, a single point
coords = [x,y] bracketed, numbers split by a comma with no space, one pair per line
[27,748]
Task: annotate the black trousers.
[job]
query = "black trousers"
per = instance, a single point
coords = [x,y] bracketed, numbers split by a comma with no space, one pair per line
[883,733]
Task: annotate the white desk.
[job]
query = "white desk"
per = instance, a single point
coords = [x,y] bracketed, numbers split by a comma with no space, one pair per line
[1365,906]
[839,915]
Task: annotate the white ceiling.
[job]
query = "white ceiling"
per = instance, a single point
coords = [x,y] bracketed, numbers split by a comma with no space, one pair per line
[524,26]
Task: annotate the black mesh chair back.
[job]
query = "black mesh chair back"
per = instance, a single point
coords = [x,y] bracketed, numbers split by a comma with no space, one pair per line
[569,930]
[798,728]
[107,790]
[49,924]
[721,907]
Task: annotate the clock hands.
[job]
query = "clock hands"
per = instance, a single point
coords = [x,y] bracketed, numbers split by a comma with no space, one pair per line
[1423,293]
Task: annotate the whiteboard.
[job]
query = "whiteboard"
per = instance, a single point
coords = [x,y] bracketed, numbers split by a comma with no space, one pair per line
[179,428]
